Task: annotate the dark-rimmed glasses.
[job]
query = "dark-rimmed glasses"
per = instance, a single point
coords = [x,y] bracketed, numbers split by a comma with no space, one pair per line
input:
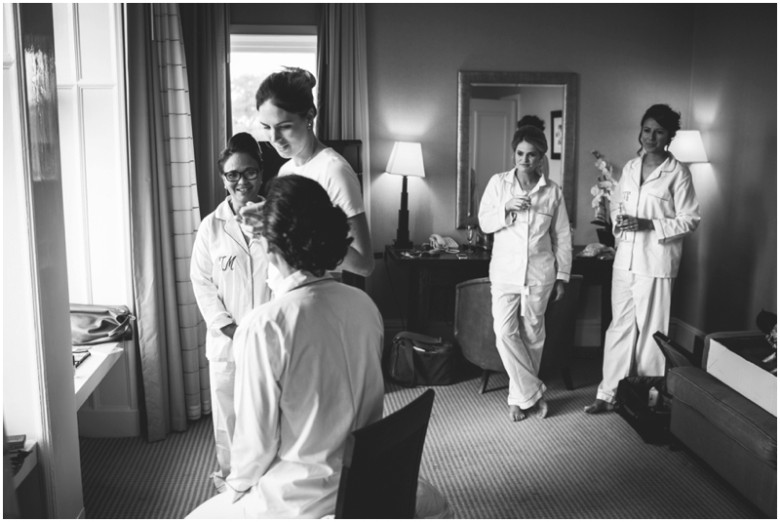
[248,174]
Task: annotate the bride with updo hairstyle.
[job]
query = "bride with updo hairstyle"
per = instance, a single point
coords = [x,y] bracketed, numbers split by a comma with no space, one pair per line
[308,365]
[306,230]
[286,113]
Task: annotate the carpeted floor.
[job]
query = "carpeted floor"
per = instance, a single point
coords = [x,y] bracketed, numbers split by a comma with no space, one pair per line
[566,466]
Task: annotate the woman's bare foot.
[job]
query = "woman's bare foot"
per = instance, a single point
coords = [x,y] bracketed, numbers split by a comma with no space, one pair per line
[542,408]
[599,406]
[515,413]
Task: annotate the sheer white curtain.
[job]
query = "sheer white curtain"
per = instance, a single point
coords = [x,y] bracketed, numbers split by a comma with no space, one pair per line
[165,217]
[343,78]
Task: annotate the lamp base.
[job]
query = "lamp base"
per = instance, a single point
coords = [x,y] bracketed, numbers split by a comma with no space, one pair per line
[402,245]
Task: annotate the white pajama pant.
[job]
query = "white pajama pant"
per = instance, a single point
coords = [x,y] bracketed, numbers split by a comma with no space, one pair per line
[640,307]
[520,338]
[223,412]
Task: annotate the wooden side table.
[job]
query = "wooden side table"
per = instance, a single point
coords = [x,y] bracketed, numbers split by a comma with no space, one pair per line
[430,303]
[598,272]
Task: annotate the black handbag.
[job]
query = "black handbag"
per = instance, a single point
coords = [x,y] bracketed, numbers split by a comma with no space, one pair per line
[417,359]
[95,324]
[644,404]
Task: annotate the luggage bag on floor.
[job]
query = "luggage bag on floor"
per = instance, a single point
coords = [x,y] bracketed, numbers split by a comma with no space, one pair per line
[417,359]
[648,414]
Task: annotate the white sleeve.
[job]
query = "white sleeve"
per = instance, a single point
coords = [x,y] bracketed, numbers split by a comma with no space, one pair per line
[259,353]
[343,187]
[560,234]
[686,208]
[492,214]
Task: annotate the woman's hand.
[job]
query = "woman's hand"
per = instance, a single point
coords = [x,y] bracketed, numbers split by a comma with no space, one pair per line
[634,224]
[249,218]
[560,290]
[518,204]
[229,330]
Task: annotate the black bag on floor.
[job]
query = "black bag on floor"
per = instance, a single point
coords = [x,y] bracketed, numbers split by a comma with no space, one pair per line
[648,413]
[421,360]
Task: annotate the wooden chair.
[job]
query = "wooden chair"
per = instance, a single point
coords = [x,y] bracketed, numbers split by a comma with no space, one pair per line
[382,463]
[477,340]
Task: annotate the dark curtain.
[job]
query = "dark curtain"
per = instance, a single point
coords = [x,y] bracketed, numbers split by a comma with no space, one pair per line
[206,44]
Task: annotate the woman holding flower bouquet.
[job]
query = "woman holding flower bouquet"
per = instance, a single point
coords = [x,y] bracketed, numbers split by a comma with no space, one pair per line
[653,208]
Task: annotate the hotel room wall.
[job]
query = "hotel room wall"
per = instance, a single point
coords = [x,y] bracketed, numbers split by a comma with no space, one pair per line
[416,51]
[729,270]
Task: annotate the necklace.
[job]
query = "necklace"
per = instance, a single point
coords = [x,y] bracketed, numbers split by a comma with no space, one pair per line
[314,150]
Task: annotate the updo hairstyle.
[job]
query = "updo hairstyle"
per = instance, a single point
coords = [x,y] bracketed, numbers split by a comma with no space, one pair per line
[290,90]
[532,120]
[302,225]
[666,117]
[241,142]
[533,135]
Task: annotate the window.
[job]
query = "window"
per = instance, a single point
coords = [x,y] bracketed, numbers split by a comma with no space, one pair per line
[252,58]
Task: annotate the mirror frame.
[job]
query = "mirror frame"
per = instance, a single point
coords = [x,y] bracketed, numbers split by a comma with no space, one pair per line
[465,214]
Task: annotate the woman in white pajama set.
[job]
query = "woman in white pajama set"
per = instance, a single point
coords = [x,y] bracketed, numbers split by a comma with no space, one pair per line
[653,208]
[228,271]
[308,366]
[531,256]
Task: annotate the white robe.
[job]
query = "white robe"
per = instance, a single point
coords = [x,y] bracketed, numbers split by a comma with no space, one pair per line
[308,374]
[228,277]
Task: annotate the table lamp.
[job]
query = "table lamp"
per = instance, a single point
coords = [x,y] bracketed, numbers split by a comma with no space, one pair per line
[688,147]
[405,160]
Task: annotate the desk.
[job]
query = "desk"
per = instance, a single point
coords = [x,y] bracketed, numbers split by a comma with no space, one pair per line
[430,303]
[596,272]
[29,464]
[91,372]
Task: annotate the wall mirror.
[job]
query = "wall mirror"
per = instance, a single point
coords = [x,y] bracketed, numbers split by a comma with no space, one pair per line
[489,105]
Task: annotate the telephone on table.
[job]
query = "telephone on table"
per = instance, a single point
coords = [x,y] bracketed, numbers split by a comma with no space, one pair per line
[439,242]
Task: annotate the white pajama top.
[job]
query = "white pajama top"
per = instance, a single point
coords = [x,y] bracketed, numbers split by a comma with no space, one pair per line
[668,198]
[530,247]
[308,373]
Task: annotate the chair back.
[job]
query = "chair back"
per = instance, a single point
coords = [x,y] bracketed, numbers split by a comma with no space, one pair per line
[473,324]
[350,149]
[382,463]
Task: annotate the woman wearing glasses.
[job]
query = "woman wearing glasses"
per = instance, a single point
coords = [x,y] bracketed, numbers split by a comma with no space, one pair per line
[228,272]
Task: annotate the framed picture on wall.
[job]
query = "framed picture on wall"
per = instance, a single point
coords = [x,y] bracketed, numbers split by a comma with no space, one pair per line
[556,143]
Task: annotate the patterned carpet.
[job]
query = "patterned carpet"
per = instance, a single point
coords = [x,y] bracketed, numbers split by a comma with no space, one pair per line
[566,466]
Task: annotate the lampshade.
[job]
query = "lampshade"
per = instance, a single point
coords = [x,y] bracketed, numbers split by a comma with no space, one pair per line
[688,147]
[406,159]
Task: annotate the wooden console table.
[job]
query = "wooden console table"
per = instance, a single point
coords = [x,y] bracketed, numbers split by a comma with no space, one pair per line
[430,300]
[430,303]
[598,272]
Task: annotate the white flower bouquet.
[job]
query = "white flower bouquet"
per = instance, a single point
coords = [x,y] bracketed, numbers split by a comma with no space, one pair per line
[602,192]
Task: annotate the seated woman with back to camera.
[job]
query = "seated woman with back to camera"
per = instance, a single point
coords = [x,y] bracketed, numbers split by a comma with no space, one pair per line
[308,366]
